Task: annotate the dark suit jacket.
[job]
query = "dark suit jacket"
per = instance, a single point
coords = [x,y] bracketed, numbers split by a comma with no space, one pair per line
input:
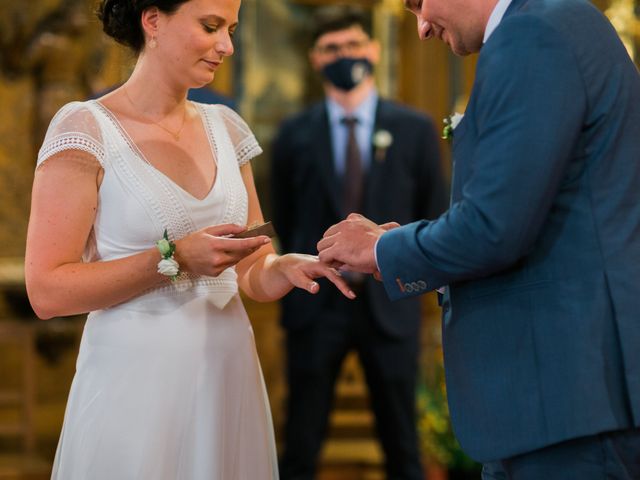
[405,185]
[541,247]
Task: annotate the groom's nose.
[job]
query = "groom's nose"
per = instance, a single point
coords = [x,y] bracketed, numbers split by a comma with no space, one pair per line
[424,29]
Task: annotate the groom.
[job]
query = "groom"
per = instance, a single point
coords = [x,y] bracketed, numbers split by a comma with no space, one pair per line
[541,246]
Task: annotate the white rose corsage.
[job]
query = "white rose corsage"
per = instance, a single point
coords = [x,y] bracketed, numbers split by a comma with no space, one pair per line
[450,124]
[168,266]
[382,140]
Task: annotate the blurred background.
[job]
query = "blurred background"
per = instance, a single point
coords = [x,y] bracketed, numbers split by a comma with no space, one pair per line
[53,52]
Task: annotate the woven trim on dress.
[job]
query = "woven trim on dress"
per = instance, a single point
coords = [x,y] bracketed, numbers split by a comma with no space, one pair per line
[210,133]
[226,282]
[71,141]
[247,149]
[166,205]
[236,205]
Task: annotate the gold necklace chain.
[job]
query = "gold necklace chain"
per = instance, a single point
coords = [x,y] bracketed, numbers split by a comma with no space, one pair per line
[175,135]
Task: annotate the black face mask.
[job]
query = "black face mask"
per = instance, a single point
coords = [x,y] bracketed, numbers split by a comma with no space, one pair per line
[347,73]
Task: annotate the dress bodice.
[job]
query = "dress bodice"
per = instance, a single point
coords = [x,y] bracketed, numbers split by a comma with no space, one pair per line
[137,202]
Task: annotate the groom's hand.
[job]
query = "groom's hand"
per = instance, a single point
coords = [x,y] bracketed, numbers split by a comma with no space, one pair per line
[349,245]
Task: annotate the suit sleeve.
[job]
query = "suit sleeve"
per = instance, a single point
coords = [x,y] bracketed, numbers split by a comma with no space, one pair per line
[529,107]
[282,193]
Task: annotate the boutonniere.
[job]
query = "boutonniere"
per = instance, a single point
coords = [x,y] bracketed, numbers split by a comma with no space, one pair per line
[450,124]
[382,140]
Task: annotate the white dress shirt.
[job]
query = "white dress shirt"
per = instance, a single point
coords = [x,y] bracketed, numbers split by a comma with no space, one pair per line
[495,18]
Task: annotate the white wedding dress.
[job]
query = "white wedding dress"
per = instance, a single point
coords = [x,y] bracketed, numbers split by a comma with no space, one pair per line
[168,385]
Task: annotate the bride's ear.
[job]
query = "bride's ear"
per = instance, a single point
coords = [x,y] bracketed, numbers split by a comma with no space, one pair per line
[150,21]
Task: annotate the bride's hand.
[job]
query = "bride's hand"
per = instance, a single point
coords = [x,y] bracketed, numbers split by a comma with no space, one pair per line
[209,251]
[302,270]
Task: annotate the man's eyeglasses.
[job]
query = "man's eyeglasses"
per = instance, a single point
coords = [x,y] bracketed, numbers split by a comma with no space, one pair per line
[337,48]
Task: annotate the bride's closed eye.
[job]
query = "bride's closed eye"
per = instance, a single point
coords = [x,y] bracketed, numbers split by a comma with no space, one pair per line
[210,28]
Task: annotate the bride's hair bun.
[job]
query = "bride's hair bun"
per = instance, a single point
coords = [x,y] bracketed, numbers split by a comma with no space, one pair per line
[121,18]
[121,21]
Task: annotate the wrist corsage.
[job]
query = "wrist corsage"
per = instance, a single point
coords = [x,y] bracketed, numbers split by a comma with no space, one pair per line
[168,265]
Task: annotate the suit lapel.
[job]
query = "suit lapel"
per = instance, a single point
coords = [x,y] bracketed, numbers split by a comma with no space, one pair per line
[460,168]
[321,149]
[374,179]
[513,7]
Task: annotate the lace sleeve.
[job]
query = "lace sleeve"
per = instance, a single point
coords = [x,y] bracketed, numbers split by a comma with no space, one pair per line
[73,128]
[244,141]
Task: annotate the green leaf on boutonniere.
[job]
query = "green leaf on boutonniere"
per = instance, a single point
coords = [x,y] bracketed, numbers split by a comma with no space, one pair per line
[450,124]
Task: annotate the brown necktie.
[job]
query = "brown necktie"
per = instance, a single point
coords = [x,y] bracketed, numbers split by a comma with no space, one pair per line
[353,177]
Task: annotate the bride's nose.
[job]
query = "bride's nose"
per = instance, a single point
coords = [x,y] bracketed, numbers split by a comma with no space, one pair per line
[224,46]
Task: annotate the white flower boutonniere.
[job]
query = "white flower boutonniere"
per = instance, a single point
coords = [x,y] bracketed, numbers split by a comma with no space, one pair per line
[382,140]
[450,124]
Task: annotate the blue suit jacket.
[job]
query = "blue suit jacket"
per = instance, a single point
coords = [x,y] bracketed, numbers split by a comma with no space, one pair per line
[541,245]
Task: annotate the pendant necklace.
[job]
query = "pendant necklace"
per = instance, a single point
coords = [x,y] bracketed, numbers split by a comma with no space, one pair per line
[175,135]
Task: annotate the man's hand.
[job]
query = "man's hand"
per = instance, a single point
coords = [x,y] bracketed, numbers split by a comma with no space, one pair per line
[349,245]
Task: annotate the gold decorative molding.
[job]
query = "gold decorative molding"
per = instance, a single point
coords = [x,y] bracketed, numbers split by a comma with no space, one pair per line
[622,14]
[12,273]
[386,17]
[320,3]
[393,7]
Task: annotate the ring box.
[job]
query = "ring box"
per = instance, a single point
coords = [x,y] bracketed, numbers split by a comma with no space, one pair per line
[257,230]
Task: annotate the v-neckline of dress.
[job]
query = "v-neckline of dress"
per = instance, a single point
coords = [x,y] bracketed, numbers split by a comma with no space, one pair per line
[141,156]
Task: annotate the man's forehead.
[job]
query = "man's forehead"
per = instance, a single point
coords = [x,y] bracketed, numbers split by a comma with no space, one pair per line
[352,31]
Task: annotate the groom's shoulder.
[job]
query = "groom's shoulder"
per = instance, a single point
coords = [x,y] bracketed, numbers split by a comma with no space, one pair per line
[561,16]
[556,26]
[549,8]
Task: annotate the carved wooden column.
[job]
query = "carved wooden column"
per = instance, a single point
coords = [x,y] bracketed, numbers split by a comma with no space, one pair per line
[623,14]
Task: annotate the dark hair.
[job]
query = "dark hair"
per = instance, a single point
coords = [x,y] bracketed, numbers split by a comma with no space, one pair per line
[121,19]
[336,18]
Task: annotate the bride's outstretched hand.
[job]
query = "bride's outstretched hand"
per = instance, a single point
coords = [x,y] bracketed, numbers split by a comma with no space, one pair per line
[302,270]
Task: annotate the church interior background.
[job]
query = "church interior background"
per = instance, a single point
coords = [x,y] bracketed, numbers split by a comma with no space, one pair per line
[53,52]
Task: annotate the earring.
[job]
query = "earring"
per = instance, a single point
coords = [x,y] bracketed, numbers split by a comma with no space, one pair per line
[153,43]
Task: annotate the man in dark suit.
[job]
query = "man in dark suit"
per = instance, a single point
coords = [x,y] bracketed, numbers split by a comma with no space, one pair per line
[396,175]
[541,246]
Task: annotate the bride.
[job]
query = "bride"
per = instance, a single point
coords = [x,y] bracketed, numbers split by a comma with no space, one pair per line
[137,199]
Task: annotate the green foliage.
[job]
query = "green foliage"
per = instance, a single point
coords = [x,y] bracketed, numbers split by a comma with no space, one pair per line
[437,441]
